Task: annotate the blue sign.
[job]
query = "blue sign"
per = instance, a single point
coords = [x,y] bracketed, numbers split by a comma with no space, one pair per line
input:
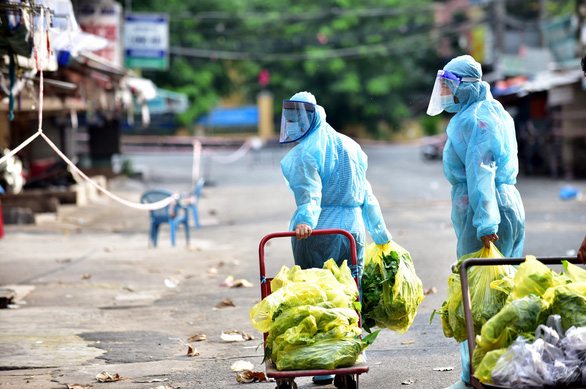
[146,41]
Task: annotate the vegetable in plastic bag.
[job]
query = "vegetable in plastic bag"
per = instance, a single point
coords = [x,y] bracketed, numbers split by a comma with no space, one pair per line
[291,295]
[391,290]
[325,354]
[484,370]
[516,318]
[568,301]
[485,301]
[336,292]
[533,277]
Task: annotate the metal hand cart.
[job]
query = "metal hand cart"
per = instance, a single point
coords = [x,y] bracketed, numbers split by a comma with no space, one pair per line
[286,379]
[470,335]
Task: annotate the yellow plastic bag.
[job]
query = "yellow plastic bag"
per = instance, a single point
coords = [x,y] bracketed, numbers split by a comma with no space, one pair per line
[391,290]
[485,301]
[324,278]
[485,368]
[291,295]
[533,277]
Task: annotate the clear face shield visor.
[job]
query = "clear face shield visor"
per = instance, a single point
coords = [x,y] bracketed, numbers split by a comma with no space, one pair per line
[444,89]
[296,120]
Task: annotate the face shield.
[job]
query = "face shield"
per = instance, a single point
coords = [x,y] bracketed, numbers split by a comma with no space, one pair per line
[444,89]
[296,120]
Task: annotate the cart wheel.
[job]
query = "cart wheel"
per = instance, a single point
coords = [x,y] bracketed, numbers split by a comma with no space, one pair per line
[346,381]
[286,383]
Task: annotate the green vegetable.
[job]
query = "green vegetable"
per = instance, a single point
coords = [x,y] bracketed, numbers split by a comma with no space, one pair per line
[391,290]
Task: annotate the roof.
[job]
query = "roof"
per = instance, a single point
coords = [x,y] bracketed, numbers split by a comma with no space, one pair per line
[542,81]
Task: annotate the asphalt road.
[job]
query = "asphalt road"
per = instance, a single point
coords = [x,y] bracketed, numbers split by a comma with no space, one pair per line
[95,297]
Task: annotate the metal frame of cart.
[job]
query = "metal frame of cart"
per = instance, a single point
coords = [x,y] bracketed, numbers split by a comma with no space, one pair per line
[288,376]
[470,335]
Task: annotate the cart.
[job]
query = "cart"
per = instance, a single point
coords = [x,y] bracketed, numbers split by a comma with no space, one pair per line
[470,335]
[286,379]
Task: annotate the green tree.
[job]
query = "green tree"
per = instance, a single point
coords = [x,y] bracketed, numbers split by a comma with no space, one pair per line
[370,63]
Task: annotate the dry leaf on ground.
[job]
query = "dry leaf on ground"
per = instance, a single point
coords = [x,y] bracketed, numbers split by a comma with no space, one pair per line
[226,303]
[192,351]
[78,386]
[197,338]
[107,377]
[408,342]
[432,290]
[251,376]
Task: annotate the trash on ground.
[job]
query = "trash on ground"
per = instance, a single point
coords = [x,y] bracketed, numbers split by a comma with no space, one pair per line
[171,282]
[197,338]
[226,303]
[78,386]
[236,336]
[408,382]
[251,376]
[86,276]
[449,368]
[408,342]
[107,377]
[242,366]
[192,351]
[232,283]
[432,290]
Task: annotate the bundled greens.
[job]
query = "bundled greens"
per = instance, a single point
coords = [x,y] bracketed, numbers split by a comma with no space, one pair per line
[536,293]
[391,290]
[487,295]
[310,319]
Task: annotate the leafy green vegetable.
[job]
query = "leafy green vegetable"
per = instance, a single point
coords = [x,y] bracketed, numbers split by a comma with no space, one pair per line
[391,291]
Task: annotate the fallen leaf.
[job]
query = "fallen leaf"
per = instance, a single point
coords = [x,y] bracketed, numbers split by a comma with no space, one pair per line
[244,335]
[107,377]
[226,303]
[197,338]
[242,282]
[86,276]
[242,366]
[408,382]
[408,342]
[251,376]
[449,368]
[192,351]
[78,386]
[431,290]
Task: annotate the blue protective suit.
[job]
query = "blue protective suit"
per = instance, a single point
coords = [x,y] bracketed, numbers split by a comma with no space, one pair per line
[480,161]
[326,172]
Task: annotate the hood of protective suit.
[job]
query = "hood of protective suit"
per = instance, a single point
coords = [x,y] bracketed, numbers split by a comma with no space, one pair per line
[320,113]
[468,92]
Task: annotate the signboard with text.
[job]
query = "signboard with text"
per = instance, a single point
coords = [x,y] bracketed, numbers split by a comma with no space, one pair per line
[146,41]
[103,18]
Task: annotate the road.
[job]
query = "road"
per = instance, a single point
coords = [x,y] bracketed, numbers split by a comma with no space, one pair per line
[101,299]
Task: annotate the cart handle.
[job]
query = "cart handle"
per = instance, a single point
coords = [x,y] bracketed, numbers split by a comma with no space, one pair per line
[261,249]
[468,263]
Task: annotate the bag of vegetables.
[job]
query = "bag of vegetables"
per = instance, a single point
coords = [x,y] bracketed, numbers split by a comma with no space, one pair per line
[485,300]
[391,290]
[310,320]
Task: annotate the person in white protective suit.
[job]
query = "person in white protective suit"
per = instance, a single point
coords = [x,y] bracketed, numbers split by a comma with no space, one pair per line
[326,172]
[480,161]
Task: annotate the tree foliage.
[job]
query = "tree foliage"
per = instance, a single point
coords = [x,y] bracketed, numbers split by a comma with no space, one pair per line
[370,63]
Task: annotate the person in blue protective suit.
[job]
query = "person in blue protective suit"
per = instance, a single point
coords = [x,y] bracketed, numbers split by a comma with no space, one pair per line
[326,172]
[480,161]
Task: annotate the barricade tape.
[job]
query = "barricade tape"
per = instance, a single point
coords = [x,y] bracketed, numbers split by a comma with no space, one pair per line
[227,159]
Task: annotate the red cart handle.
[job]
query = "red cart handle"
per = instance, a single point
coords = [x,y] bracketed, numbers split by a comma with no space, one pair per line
[265,286]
